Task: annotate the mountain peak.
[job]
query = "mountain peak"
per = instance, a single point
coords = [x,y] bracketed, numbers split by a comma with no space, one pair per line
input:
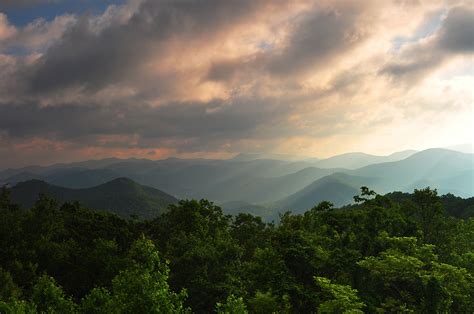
[122,196]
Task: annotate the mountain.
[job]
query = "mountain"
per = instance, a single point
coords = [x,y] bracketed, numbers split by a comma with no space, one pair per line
[446,170]
[82,178]
[74,178]
[121,196]
[255,156]
[358,160]
[437,167]
[20,177]
[337,188]
[461,184]
[4,174]
[463,148]
[261,189]
[234,208]
[250,179]
[219,180]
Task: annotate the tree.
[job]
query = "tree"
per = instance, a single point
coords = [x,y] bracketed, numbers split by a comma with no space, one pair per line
[340,298]
[17,306]
[205,259]
[5,199]
[429,213]
[407,276]
[99,300]
[141,288]
[48,297]
[232,305]
[365,195]
[8,289]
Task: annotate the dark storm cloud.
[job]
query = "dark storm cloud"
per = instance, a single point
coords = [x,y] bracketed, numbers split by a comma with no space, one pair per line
[92,59]
[205,121]
[456,36]
[415,69]
[317,37]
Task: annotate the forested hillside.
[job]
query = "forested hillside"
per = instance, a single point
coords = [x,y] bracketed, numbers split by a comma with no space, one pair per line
[121,196]
[395,253]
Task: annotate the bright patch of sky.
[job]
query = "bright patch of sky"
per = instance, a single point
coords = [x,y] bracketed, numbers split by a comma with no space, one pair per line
[22,14]
[426,29]
[265,45]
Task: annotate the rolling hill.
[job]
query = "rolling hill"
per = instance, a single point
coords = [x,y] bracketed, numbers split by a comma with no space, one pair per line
[338,188]
[446,170]
[358,160]
[121,196]
[436,167]
[256,181]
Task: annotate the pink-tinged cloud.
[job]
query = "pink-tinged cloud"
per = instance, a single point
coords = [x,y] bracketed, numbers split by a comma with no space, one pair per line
[211,78]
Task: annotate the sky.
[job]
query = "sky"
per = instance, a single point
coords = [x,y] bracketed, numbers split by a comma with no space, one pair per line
[84,79]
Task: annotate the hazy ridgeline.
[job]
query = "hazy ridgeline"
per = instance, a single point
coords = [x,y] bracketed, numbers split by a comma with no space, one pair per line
[261,184]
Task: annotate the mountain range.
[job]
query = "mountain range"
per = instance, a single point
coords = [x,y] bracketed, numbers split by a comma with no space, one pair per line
[121,196]
[259,184]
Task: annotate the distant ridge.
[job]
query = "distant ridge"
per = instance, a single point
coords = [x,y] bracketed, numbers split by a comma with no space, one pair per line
[338,188]
[357,159]
[251,184]
[255,156]
[435,166]
[448,171]
[121,196]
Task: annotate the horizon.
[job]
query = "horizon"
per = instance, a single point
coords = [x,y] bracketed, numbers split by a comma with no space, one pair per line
[466,148]
[212,79]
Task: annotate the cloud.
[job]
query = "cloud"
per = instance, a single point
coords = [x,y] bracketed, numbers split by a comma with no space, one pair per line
[205,121]
[455,37]
[317,37]
[311,39]
[193,77]
[36,36]
[93,58]
[457,33]
[6,30]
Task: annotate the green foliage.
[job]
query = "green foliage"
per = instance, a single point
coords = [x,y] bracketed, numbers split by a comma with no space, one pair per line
[232,305]
[142,287]
[365,195]
[99,300]
[8,288]
[6,201]
[204,258]
[342,298]
[48,297]
[17,307]
[409,276]
[121,196]
[396,253]
[263,302]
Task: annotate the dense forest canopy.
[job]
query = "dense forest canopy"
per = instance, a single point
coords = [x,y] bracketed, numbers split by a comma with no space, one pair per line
[394,253]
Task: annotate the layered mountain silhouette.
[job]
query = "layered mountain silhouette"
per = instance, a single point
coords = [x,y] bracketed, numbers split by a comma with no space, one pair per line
[338,188]
[256,181]
[121,196]
[358,160]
